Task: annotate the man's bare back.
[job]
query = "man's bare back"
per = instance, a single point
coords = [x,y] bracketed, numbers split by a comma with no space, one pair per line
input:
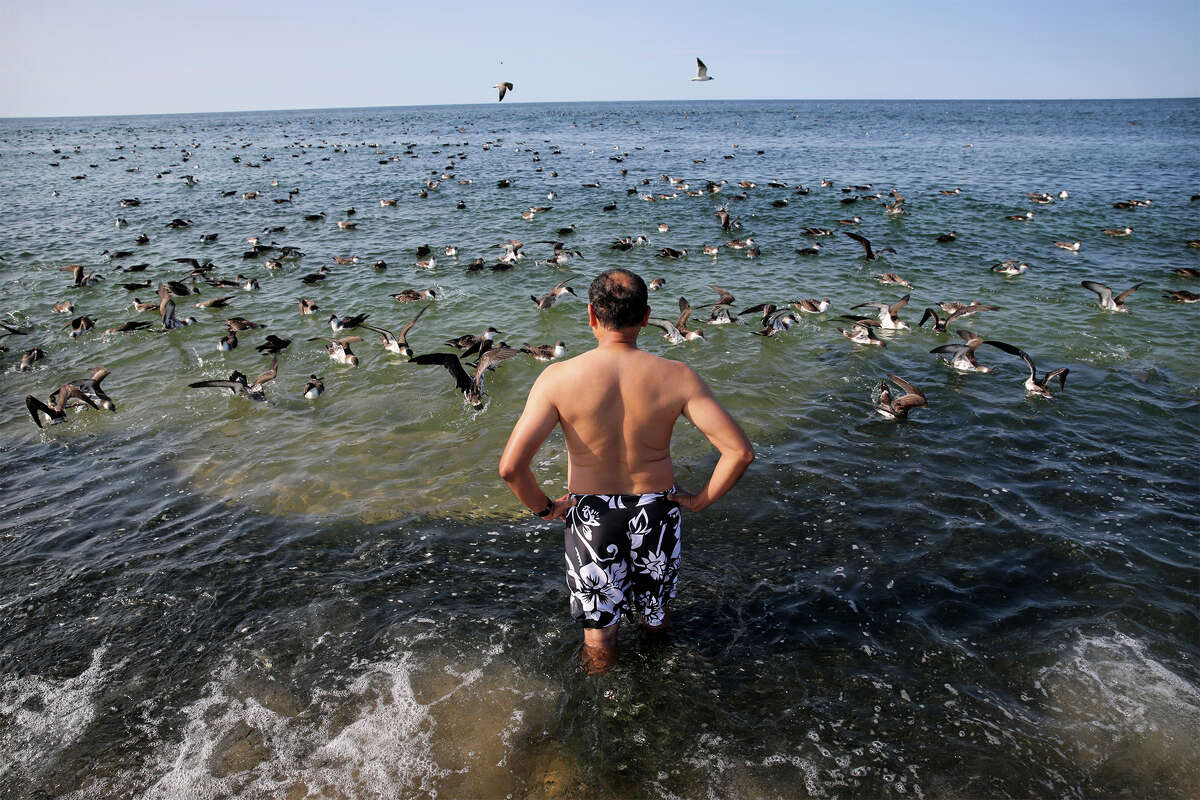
[617,410]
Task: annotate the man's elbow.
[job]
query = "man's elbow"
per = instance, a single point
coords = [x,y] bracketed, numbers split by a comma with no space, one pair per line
[508,470]
[746,456]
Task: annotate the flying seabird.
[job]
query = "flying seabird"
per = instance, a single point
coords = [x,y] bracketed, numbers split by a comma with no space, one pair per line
[888,314]
[547,300]
[1107,301]
[273,344]
[871,254]
[962,356]
[339,349]
[505,87]
[1034,384]
[701,71]
[397,344]
[55,412]
[470,385]
[238,386]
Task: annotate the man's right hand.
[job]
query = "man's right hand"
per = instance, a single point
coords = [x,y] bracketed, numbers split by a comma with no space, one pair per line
[684,498]
[561,506]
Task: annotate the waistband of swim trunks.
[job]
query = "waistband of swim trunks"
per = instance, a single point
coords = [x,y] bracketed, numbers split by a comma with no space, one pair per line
[631,497]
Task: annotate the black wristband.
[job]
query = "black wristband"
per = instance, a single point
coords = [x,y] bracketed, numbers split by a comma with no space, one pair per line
[549,507]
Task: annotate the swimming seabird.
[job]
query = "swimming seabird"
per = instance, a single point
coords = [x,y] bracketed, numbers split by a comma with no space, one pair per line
[656,284]
[397,344]
[671,252]
[214,302]
[870,254]
[505,87]
[128,327]
[948,237]
[811,306]
[893,279]
[1181,296]
[701,71]
[346,323]
[1034,384]
[1010,267]
[545,352]
[313,387]
[1187,272]
[893,407]
[1072,246]
[314,277]
[66,306]
[470,385]
[1028,215]
[242,324]
[238,386]
[228,342]
[1119,231]
[412,295]
[1107,301]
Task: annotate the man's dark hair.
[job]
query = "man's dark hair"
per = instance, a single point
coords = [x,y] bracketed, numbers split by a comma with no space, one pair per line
[618,297]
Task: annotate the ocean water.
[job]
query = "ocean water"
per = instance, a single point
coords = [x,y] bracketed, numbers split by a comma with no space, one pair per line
[206,597]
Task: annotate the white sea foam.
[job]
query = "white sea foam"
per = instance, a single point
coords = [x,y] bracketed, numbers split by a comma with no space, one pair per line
[40,717]
[1130,721]
[370,739]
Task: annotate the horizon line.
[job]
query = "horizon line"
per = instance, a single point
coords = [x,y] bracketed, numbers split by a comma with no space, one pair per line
[6,118]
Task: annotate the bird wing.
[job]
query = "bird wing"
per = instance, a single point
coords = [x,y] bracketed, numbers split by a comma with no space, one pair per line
[1016,351]
[1060,373]
[237,387]
[929,312]
[384,332]
[1121,297]
[452,365]
[403,331]
[864,241]
[701,69]
[685,311]
[269,375]
[726,299]
[972,338]
[907,387]
[1103,292]
[666,325]
[895,307]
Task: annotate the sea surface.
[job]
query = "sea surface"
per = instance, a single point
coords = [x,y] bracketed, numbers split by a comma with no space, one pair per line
[202,596]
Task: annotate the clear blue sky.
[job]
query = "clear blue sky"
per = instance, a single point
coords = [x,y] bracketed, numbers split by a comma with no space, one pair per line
[71,57]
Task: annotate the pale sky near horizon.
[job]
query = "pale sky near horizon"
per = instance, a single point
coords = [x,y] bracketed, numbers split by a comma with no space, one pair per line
[81,57]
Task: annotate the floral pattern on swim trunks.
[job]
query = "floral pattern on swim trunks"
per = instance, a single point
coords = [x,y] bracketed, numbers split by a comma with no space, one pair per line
[622,556]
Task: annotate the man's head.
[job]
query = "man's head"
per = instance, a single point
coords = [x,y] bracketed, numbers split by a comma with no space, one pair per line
[618,299]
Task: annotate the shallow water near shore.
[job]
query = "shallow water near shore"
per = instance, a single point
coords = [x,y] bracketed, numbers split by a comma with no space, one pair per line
[207,597]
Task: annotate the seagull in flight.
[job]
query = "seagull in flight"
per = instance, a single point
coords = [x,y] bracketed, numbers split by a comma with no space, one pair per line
[701,72]
[504,87]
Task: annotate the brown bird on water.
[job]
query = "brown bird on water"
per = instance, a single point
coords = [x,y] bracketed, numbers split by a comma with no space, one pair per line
[891,406]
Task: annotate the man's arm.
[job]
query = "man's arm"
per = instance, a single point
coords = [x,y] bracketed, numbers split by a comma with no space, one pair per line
[703,411]
[537,420]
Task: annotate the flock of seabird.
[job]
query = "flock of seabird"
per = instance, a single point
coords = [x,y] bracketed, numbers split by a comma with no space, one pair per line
[768,319]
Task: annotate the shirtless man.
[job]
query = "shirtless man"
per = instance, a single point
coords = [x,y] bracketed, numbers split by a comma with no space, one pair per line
[617,405]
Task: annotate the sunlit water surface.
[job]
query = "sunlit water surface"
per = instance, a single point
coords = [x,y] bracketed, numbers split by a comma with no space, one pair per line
[208,597]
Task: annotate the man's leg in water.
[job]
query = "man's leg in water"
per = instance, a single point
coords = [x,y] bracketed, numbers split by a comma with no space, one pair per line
[599,648]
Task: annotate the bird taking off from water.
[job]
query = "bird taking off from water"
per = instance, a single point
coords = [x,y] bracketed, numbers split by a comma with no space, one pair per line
[504,87]
[701,72]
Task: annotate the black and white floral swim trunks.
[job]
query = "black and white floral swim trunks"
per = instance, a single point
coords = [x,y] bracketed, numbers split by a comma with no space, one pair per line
[622,556]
